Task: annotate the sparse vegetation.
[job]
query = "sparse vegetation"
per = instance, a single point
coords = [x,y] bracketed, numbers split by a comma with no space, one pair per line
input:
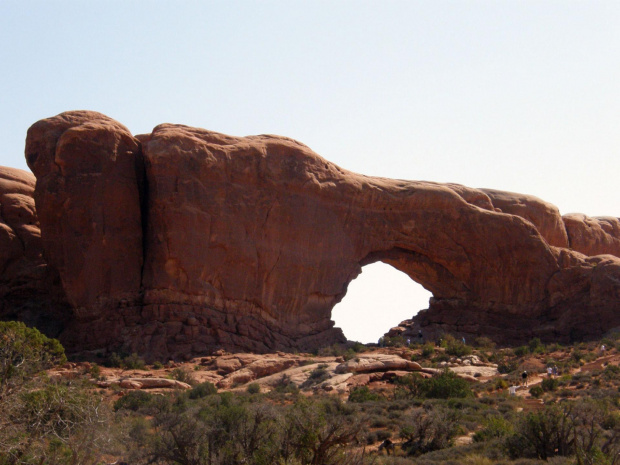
[418,420]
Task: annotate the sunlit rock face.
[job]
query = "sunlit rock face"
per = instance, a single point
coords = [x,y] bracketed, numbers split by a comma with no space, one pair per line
[184,240]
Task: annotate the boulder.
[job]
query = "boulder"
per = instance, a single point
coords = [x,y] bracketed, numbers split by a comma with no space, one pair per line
[154,383]
[377,362]
[593,236]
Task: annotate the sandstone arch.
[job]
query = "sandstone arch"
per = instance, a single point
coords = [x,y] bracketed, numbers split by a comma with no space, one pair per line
[185,240]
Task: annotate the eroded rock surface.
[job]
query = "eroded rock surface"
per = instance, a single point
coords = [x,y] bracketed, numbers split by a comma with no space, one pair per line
[29,288]
[184,241]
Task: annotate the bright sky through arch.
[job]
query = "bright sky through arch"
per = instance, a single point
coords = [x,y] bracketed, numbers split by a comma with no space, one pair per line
[378,299]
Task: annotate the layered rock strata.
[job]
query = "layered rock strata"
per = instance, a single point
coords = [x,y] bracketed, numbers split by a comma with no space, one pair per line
[185,240]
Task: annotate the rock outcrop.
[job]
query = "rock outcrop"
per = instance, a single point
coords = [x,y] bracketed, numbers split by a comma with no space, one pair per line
[184,240]
[29,289]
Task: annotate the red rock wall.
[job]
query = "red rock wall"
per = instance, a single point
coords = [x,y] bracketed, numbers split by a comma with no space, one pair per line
[30,290]
[249,242]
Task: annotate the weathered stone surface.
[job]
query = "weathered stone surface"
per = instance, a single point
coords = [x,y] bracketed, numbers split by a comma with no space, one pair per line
[87,194]
[593,236]
[185,241]
[545,216]
[151,383]
[377,362]
[29,289]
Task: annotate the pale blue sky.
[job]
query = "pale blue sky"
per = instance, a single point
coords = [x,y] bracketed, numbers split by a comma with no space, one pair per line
[514,95]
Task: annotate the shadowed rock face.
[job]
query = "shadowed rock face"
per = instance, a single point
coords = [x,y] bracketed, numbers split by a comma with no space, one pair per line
[29,289]
[185,240]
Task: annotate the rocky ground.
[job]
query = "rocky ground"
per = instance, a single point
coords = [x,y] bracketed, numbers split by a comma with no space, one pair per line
[339,375]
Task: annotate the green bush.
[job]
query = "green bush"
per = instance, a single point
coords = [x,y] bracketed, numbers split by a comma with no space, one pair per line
[549,384]
[428,349]
[495,426]
[318,375]
[507,366]
[484,342]
[183,375]
[202,390]
[133,362]
[133,400]
[455,347]
[363,394]
[536,391]
[522,351]
[441,386]
[500,383]
[427,430]
[253,388]
[24,352]
[95,371]
[536,346]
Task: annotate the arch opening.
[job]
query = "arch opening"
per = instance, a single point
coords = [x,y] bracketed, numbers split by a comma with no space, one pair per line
[377,300]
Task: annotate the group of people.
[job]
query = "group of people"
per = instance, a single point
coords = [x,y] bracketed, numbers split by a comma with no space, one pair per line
[552,371]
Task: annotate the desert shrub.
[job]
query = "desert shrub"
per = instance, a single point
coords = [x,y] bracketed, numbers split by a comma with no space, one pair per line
[484,342]
[549,384]
[455,347]
[535,346]
[285,386]
[183,375]
[335,350]
[133,400]
[536,391]
[114,361]
[521,351]
[395,341]
[542,434]
[95,371]
[611,372]
[427,430]
[158,365]
[446,385]
[441,357]
[442,386]
[133,362]
[53,423]
[577,355]
[322,431]
[318,375]
[202,390]
[495,427]
[253,388]
[500,383]
[24,352]
[507,366]
[586,429]
[363,394]
[428,349]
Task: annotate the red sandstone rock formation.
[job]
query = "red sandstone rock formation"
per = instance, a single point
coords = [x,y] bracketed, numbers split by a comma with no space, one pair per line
[87,194]
[249,242]
[29,289]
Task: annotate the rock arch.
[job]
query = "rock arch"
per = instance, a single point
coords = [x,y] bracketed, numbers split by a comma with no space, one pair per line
[378,300]
[186,240]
